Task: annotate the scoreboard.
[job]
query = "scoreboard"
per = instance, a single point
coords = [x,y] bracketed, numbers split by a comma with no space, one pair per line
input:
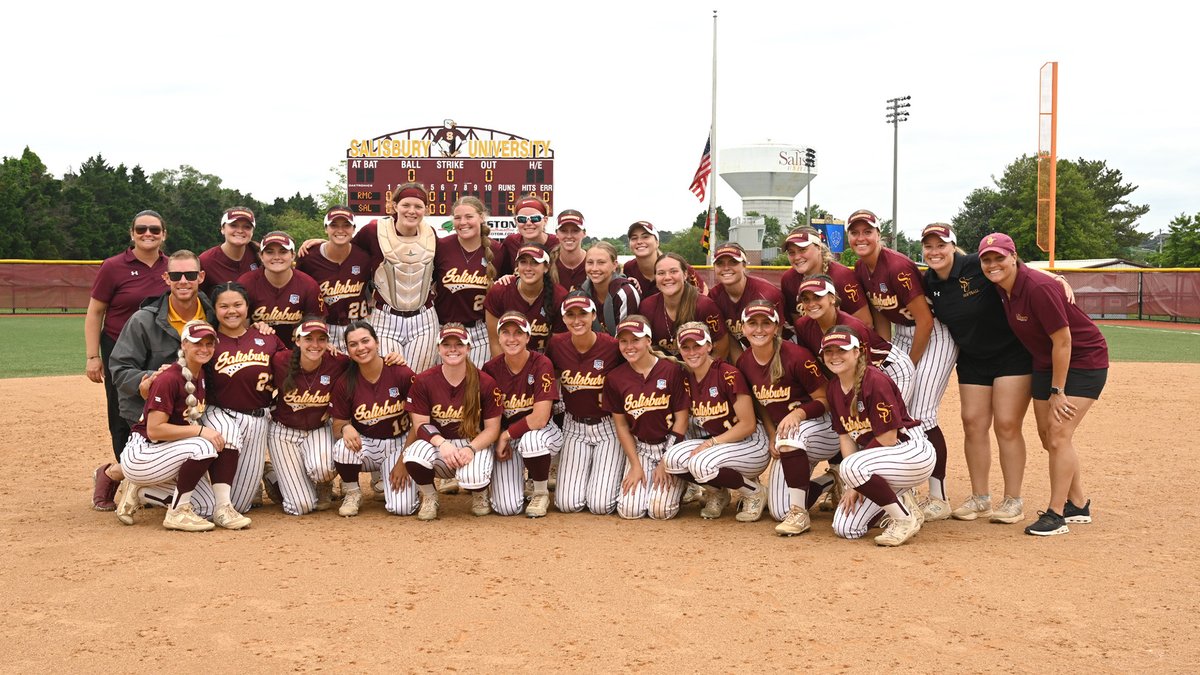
[450,161]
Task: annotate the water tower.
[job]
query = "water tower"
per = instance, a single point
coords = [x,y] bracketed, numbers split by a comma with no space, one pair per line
[767,176]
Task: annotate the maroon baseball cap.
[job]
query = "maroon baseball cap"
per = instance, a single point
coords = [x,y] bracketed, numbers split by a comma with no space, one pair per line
[516,319]
[997,242]
[843,339]
[697,333]
[802,239]
[196,331]
[730,251]
[570,217]
[637,327]
[455,330]
[235,214]
[864,215]
[339,212]
[816,287]
[760,310]
[941,231]
[310,327]
[579,302]
[534,251]
[278,238]
[645,225]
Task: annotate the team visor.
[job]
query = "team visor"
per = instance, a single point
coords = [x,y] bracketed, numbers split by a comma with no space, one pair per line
[635,327]
[518,320]
[233,215]
[339,212]
[579,302]
[459,332]
[309,327]
[538,254]
[196,332]
[730,252]
[760,310]
[284,242]
[816,287]
[839,339]
[802,239]
[696,334]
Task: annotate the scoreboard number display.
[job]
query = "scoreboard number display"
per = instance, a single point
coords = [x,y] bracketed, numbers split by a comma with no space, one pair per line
[451,161]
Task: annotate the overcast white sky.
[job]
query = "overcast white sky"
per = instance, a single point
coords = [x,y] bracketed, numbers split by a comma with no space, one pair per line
[268,95]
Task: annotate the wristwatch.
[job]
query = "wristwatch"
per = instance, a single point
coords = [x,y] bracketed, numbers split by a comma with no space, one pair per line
[1055,390]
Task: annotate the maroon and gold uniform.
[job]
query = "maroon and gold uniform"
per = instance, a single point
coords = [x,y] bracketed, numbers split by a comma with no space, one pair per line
[756,289]
[220,268]
[663,328]
[307,406]
[239,374]
[521,390]
[893,284]
[167,395]
[571,278]
[809,334]
[713,397]
[849,290]
[442,402]
[282,308]
[581,376]
[377,409]
[647,402]
[343,286]
[801,376]
[503,298]
[880,408]
[461,280]
[506,262]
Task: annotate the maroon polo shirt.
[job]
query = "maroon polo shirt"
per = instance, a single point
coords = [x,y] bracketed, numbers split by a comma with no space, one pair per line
[461,280]
[167,394]
[1037,308]
[377,410]
[801,377]
[306,406]
[895,282]
[756,289]
[581,375]
[649,402]
[431,395]
[880,409]
[124,283]
[714,396]
[342,285]
[239,374]
[535,382]
[849,291]
[663,328]
[220,268]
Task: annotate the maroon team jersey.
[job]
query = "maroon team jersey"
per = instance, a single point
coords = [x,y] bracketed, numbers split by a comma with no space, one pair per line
[506,262]
[167,394]
[219,268]
[507,297]
[801,377]
[649,286]
[895,282]
[571,278]
[377,410]
[239,374]
[647,402]
[1038,308]
[343,285]
[535,382]
[880,409]
[461,280]
[714,396]
[282,308]
[663,328]
[809,335]
[307,406]
[431,395]
[848,289]
[123,283]
[756,289]
[581,376]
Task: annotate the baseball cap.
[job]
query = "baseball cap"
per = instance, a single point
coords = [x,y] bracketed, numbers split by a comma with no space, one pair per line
[638,327]
[997,242]
[237,213]
[578,302]
[802,239]
[310,327]
[864,215]
[645,225]
[843,339]
[941,231]
[730,251]
[570,217]
[278,238]
[517,319]
[698,334]
[455,330]
[766,310]
[816,287]
[338,212]
[534,251]
[196,331]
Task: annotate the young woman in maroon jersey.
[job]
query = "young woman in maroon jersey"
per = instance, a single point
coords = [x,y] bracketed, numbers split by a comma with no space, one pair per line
[239,395]
[370,421]
[300,436]
[810,256]
[731,451]
[616,297]
[643,242]
[168,449]
[568,269]
[341,272]
[123,282]
[531,213]
[1070,368]
[790,390]
[529,439]
[591,463]
[279,295]
[895,289]
[236,256]
[455,410]
[735,290]
[883,449]
[649,405]
[678,302]
[534,294]
[464,267]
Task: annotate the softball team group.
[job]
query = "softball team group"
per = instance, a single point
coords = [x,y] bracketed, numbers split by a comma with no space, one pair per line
[533,369]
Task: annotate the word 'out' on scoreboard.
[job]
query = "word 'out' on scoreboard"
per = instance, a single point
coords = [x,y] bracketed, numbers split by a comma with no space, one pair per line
[451,161]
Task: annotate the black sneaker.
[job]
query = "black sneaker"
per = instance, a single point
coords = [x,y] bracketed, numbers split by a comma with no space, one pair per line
[1048,524]
[1076,514]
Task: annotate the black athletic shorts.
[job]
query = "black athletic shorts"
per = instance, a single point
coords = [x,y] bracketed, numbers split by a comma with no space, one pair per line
[1081,382]
[1012,361]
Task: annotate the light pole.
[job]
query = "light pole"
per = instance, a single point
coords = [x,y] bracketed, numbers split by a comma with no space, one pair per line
[810,161]
[896,115]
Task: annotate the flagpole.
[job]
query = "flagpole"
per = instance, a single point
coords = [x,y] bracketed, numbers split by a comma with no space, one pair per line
[712,195]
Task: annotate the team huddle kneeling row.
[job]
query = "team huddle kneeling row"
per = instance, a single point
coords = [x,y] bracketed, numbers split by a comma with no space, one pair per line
[640,383]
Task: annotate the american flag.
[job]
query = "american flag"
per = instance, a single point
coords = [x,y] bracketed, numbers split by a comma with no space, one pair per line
[700,182]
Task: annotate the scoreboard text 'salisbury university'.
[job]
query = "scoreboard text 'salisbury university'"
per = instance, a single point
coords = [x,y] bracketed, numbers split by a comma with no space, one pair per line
[451,161]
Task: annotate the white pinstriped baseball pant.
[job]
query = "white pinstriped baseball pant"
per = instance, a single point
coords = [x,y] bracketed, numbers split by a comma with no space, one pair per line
[337,337]
[508,476]
[414,337]
[248,434]
[480,351]
[590,467]
[900,369]
[302,460]
[646,498]
[148,464]
[932,372]
[818,440]
[904,465]
[476,475]
[748,457]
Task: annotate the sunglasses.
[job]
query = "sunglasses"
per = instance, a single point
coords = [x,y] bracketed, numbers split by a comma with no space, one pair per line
[152,229]
[190,276]
[530,219]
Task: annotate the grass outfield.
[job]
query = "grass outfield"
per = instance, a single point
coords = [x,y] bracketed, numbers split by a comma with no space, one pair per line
[53,345]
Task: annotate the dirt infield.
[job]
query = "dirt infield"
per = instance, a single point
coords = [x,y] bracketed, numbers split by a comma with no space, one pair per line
[580,592]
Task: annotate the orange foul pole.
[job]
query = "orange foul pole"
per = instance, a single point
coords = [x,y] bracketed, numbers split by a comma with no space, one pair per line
[1047,157]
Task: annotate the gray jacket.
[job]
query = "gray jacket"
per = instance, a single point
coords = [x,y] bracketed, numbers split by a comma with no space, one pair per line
[147,341]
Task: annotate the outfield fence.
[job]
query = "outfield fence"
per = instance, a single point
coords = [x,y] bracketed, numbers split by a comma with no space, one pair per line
[1161,294]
